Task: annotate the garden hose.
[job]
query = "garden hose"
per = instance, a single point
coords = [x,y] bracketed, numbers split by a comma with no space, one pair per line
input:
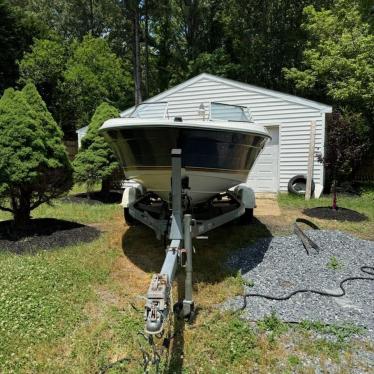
[365,269]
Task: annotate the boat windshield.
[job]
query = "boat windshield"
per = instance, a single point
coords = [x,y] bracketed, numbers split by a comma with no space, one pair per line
[150,110]
[218,111]
[228,112]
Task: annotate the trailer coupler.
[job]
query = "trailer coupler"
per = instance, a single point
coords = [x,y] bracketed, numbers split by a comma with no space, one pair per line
[157,306]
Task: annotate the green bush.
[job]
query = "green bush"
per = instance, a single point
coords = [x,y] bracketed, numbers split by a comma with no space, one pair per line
[34,166]
[95,161]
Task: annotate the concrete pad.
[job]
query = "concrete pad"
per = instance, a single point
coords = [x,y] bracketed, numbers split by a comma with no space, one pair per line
[267,207]
[266,195]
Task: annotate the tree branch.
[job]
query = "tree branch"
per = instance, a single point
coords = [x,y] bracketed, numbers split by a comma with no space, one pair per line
[4,209]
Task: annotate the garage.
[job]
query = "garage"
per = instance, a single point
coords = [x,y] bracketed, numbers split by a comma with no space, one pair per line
[288,119]
[264,175]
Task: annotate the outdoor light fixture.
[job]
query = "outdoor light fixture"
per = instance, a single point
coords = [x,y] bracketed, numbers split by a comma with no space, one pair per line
[202,111]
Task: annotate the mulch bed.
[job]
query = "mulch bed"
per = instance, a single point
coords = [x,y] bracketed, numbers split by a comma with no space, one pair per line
[112,197]
[340,214]
[44,234]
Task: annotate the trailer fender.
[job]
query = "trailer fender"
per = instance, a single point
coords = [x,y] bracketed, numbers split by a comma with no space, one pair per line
[130,195]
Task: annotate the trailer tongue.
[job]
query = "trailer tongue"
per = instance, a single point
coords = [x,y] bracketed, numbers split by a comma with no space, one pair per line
[183,228]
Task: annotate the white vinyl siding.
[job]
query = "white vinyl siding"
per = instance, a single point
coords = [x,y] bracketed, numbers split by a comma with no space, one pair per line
[290,113]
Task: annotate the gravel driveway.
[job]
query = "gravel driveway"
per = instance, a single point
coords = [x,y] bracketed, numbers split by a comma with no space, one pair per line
[280,265]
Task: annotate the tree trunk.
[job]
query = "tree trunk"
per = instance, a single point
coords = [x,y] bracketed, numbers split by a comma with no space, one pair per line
[21,218]
[21,210]
[146,36]
[91,17]
[334,204]
[105,186]
[136,54]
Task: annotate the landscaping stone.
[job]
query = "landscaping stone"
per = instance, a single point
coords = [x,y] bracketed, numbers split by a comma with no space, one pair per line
[280,265]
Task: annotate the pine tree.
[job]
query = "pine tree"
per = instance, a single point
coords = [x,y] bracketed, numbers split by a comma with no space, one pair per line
[95,161]
[34,166]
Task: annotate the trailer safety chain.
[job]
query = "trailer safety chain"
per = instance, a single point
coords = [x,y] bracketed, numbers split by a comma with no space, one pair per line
[153,358]
[151,354]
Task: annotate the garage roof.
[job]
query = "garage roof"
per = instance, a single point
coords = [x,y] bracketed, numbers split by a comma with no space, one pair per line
[244,86]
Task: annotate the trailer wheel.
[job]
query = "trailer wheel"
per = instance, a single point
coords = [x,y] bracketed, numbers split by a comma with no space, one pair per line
[129,219]
[247,217]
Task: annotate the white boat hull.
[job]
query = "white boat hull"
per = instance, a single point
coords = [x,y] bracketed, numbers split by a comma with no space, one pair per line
[215,156]
[203,183]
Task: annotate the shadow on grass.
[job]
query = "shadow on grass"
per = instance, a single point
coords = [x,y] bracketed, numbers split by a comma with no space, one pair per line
[112,197]
[141,247]
[44,234]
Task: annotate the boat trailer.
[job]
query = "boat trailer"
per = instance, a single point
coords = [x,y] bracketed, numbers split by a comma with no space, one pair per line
[179,223]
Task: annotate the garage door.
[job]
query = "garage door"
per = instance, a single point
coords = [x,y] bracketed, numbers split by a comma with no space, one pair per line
[264,174]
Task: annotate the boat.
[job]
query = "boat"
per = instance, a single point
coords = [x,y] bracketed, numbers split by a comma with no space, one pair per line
[218,151]
[188,177]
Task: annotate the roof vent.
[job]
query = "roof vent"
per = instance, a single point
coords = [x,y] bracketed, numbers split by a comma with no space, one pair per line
[178,119]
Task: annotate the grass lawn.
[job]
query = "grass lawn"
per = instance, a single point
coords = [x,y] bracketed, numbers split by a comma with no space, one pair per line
[75,309]
[292,205]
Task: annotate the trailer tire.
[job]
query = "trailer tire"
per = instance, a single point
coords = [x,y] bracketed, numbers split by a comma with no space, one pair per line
[247,217]
[297,185]
[129,219]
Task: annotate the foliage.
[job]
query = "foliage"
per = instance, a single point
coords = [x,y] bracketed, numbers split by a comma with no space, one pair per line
[339,58]
[93,74]
[71,18]
[346,144]
[263,37]
[341,332]
[74,78]
[334,264]
[17,30]
[324,47]
[34,167]
[273,324]
[180,39]
[44,66]
[95,160]
[218,62]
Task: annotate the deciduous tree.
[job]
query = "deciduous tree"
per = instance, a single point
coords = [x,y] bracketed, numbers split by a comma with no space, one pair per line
[93,74]
[347,142]
[339,58]
[44,65]
[17,30]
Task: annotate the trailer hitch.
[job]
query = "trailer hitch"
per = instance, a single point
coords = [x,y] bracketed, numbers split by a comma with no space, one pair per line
[157,306]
